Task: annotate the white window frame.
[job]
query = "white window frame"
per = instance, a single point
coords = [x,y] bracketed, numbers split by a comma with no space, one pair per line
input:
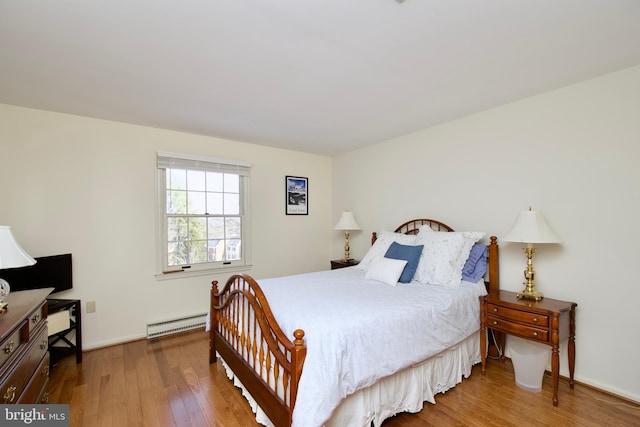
[167,160]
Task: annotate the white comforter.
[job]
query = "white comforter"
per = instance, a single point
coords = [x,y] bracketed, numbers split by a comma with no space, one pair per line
[358,331]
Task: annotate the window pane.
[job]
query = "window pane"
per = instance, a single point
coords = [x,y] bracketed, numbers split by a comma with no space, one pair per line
[215,250]
[176,202]
[233,249]
[231,183]
[196,203]
[198,251]
[176,179]
[197,229]
[214,203]
[214,181]
[231,204]
[232,228]
[216,228]
[177,254]
[195,180]
[177,229]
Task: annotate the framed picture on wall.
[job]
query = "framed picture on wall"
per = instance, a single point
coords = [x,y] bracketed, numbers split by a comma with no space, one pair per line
[297,195]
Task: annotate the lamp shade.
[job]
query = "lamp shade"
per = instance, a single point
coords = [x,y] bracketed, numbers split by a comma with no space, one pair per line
[11,254]
[347,222]
[530,227]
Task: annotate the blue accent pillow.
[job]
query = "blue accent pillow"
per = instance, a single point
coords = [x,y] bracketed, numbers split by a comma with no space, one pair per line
[476,265]
[405,252]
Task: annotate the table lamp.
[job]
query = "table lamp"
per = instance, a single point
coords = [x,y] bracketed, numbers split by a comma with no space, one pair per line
[347,223]
[530,227]
[11,256]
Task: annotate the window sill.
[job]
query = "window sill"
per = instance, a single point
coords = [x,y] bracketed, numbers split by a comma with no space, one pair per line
[180,274]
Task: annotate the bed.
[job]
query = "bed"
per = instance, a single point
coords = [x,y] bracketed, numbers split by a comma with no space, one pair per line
[354,346]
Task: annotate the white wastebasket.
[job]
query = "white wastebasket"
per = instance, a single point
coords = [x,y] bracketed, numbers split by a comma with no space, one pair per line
[529,360]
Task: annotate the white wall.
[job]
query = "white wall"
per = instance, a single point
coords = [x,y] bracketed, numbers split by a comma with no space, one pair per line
[574,154]
[87,186]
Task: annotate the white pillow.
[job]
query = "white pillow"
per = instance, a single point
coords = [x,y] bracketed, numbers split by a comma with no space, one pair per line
[425,228]
[444,255]
[379,248]
[385,270]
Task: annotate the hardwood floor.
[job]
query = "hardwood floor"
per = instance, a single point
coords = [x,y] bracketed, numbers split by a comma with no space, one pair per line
[169,382]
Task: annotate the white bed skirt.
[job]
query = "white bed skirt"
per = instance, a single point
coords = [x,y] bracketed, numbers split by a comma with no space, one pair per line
[404,391]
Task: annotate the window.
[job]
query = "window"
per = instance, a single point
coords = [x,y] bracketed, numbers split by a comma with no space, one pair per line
[203,213]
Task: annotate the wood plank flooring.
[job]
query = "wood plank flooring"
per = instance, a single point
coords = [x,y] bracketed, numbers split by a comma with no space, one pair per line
[169,382]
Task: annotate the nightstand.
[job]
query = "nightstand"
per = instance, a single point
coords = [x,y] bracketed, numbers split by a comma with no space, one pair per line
[547,321]
[68,341]
[340,263]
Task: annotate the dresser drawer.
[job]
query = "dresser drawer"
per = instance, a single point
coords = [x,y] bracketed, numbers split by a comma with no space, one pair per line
[530,332]
[11,345]
[518,316]
[16,382]
[35,388]
[37,317]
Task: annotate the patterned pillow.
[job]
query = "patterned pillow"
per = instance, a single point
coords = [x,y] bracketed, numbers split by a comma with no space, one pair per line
[444,256]
[380,247]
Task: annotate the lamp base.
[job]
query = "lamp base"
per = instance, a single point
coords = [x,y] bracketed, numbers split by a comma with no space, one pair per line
[530,294]
[529,291]
[346,256]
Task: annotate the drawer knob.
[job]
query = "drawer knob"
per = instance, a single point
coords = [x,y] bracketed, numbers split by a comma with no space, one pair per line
[10,394]
[495,310]
[535,334]
[535,320]
[8,349]
[44,344]
[495,322]
[35,318]
[45,398]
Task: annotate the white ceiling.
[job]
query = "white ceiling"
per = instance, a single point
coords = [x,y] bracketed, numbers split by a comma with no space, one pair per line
[321,76]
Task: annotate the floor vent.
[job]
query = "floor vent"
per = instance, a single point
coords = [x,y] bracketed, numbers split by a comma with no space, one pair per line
[168,327]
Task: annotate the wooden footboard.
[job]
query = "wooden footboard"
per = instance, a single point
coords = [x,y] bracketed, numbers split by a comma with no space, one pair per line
[245,333]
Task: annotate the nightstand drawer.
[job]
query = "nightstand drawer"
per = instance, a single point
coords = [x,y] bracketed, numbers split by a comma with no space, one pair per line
[524,331]
[518,316]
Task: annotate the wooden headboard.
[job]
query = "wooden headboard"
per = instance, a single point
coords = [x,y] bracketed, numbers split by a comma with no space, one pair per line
[413,226]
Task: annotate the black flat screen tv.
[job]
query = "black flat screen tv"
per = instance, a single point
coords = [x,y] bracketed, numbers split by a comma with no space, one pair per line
[48,272]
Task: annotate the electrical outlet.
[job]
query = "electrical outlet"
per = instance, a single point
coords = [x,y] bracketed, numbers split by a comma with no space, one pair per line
[91,306]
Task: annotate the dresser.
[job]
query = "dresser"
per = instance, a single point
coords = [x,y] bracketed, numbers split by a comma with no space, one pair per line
[24,343]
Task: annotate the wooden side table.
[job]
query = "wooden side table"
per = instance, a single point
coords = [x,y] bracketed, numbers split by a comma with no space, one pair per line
[340,263]
[547,321]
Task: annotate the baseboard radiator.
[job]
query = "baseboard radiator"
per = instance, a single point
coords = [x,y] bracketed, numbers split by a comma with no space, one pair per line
[174,326]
